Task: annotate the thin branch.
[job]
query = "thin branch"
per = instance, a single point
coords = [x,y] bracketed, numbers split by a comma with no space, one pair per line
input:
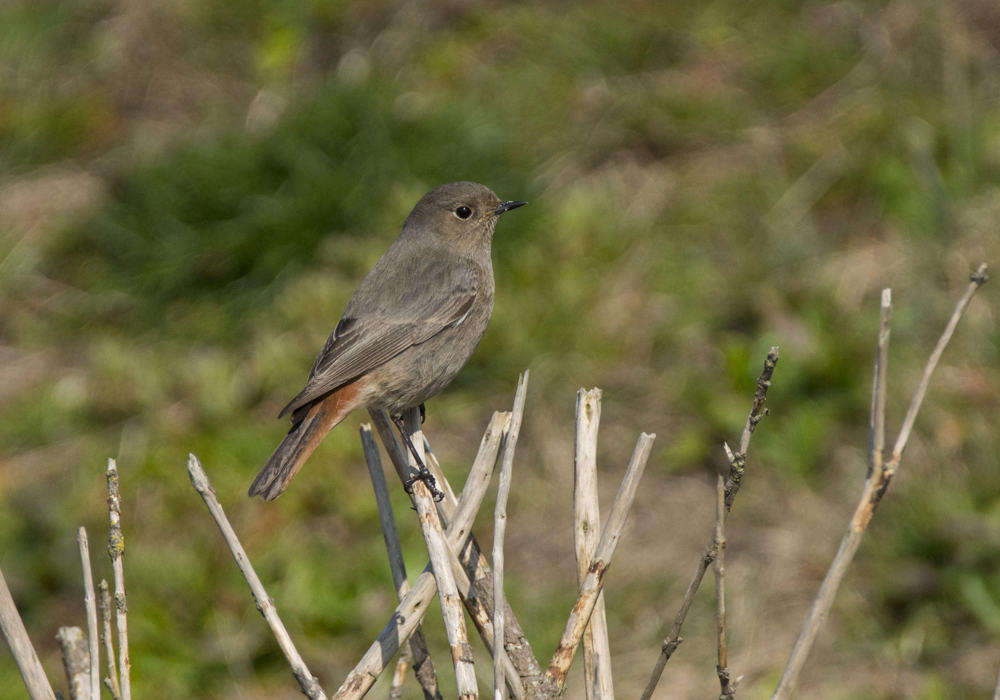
[482,618]
[423,666]
[727,689]
[307,681]
[437,549]
[976,280]
[111,681]
[876,484]
[499,531]
[404,620]
[876,421]
[411,609]
[116,548]
[24,654]
[518,648]
[592,585]
[90,603]
[586,530]
[76,661]
[737,463]
[468,562]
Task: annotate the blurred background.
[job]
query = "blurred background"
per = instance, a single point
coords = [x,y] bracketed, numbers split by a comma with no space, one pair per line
[191,191]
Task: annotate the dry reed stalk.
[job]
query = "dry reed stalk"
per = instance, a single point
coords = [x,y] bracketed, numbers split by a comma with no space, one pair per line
[468,562]
[517,647]
[90,603]
[111,681]
[423,666]
[586,530]
[412,608]
[403,663]
[591,588]
[737,462]
[437,550]
[116,548]
[307,681]
[727,688]
[32,673]
[879,477]
[499,531]
[76,661]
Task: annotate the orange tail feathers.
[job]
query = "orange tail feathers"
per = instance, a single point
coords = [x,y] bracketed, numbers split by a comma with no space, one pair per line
[303,439]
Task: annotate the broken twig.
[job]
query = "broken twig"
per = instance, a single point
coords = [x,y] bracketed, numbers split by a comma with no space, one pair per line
[737,463]
[586,531]
[307,681]
[423,666]
[594,582]
[90,603]
[116,548]
[877,481]
[24,654]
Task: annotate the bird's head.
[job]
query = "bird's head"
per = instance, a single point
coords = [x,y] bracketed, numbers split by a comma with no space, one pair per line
[463,214]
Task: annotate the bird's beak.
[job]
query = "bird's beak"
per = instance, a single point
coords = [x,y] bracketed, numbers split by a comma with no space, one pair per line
[507,206]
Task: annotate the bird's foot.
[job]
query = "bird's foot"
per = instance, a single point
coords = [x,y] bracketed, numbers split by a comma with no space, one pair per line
[423,414]
[423,473]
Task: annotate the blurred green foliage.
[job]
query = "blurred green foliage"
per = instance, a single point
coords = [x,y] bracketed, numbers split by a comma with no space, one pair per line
[705,179]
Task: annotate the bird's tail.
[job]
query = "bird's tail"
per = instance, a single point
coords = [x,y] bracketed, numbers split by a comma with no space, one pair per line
[301,441]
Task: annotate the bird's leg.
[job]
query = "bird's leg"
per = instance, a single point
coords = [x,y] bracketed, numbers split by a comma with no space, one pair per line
[423,473]
[423,414]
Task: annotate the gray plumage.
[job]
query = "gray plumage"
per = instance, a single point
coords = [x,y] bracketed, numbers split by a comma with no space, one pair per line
[412,324]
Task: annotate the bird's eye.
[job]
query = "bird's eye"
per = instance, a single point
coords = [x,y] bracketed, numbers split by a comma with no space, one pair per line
[463,212]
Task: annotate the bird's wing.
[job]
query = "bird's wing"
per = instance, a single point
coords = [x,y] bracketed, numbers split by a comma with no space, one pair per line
[366,338]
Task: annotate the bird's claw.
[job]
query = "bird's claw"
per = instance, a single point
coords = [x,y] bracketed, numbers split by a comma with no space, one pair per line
[425,476]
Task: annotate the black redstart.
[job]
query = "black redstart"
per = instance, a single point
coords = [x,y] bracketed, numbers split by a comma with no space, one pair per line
[410,327]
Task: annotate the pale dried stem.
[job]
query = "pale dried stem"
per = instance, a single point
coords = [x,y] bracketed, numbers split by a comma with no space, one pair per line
[446,505]
[467,561]
[877,482]
[116,548]
[404,620]
[412,608]
[996,690]
[423,666]
[76,661]
[586,531]
[111,680]
[90,603]
[976,280]
[594,582]
[403,663]
[482,618]
[519,652]
[876,422]
[437,549]
[726,690]
[307,681]
[23,652]
[499,531]
[737,463]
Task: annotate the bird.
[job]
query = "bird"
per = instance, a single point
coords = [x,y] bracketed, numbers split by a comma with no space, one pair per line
[409,328]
